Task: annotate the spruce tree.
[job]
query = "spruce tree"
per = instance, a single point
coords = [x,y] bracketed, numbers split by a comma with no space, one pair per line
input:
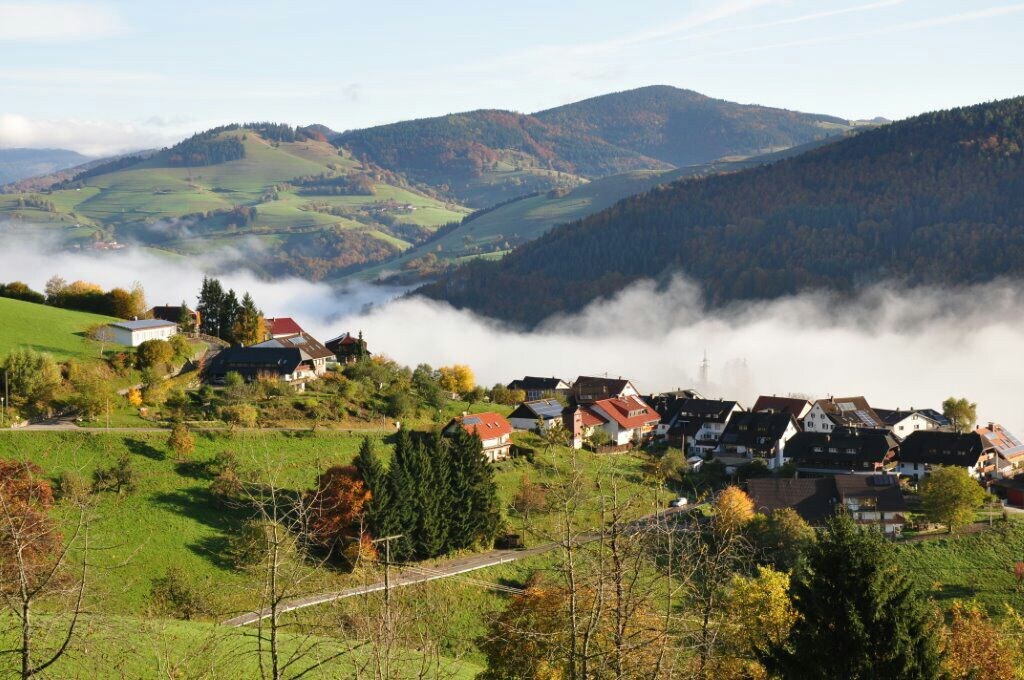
[433,520]
[211,301]
[859,616]
[230,310]
[402,489]
[475,514]
[374,475]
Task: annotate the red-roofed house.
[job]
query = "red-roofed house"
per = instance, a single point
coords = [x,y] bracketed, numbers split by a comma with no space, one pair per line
[494,431]
[282,327]
[626,419]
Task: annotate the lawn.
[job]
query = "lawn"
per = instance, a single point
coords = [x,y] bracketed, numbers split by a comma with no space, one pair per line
[59,332]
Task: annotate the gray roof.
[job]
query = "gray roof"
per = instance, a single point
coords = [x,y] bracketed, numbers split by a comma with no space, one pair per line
[143,324]
[548,409]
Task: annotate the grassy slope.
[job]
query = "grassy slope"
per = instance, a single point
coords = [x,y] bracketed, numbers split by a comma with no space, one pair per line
[46,329]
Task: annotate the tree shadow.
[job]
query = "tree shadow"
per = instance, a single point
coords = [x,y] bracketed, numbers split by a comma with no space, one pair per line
[143,448]
[950,591]
[195,469]
[199,504]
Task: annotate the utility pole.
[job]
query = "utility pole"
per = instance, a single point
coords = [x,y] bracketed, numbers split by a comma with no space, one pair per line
[6,400]
[387,566]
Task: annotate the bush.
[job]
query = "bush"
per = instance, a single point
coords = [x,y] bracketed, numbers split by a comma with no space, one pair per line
[119,477]
[181,441]
[177,595]
[242,415]
[72,486]
[156,354]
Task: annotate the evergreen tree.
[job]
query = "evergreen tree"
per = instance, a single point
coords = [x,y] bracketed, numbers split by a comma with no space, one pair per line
[433,504]
[400,516]
[375,476]
[186,320]
[858,616]
[475,514]
[249,327]
[230,310]
[211,302]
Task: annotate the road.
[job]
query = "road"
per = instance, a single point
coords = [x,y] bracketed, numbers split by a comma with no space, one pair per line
[411,575]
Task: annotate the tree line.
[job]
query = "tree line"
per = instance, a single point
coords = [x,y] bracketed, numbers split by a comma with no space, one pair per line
[223,316]
[82,296]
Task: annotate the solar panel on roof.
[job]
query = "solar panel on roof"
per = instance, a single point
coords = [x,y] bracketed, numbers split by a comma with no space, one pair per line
[472,420]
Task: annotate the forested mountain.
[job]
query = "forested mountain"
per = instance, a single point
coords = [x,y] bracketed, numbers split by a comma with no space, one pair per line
[16,164]
[934,199]
[484,157]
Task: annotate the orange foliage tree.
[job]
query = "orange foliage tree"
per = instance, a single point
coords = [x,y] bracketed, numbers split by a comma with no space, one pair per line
[336,507]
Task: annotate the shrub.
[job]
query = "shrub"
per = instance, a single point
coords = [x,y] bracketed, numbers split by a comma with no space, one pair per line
[155,354]
[72,486]
[119,477]
[177,595]
[181,441]
[242,415]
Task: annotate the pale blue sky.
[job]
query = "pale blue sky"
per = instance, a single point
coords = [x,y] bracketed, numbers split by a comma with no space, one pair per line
[104,76]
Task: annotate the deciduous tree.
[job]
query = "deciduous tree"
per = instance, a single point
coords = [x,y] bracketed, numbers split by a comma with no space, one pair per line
[950,496]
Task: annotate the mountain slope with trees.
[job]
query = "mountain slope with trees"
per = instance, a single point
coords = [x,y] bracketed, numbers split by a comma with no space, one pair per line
[16,164]
[936,199]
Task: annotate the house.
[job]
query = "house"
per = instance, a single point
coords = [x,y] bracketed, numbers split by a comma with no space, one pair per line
[813,499]
[588,389]
[761,435]
[902,422]
[581,423]
[794,406]
[137,331]
[309,346]
[289,364]
[494,431]
[697,424]
[173,313]
[1009,450]
[540,388]
[926,448]
[282,326]
[348,348]
[1010,489]
[828,414]
[527,415]
[626,419]
[873,500]
[844,450]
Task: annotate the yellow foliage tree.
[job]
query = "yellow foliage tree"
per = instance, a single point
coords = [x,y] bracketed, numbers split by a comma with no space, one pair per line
[973,647]
[457,378]
[134,397]
[733,509]
[759,614]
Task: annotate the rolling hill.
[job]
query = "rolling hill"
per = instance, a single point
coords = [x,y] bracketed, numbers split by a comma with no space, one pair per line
[484,157]
[936,199]
[57,331]
[16,164]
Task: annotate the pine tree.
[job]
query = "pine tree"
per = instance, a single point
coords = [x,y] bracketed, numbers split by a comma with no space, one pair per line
[249,327]
[211,301]
[375,476]
[230,310]
[400,517]
[433,505]
[475,514]
[859,616]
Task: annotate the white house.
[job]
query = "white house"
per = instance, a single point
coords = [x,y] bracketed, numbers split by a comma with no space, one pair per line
[902,423]
[828,414]
[494,431]
[758,435]
[527,415]
[698,423]
[926,448]
[134,333]
[627,419]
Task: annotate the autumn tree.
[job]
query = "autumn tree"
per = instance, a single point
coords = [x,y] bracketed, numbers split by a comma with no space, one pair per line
[181,441]
[734,509]
[32,378]
[780,538]
[458,378]
[335,508]
[758,614]
[155,354]
[961,413]
[950,496]
[973,647]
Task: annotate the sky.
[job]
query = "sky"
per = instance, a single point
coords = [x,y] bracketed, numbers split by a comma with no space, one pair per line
[108,76]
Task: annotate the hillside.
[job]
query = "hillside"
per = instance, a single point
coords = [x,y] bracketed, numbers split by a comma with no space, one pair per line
[936,199]
[282,200]
[46,329]
[16,164]
[485,157]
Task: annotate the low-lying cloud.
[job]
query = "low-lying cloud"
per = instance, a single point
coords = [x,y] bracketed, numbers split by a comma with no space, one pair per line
[900,347]
[89,137]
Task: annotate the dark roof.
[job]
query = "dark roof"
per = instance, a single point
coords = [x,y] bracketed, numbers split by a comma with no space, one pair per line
[708,410]
[884,489]
[591,388]
[892,416]
[937,447]
[667,405]
[850,411]
[304,342]
[756,430]
[252,361]
[791,405]
[813,499]
[843,445]
[937,416]
[531,382]
[548,409]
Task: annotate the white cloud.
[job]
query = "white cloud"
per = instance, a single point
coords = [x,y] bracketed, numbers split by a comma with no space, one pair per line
[90,137]
[899,347]
[58,21]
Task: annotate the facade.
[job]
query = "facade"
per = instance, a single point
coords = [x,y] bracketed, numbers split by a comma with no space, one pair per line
[527,415]
[924,449]
[626,420]
[902,423]
[697,424]
[845,450]
[310,347]
[493,430]
[289,364]
[1009,449]
[540,388]
[134,333]
[828,414]
[581,423]
[758,436]
[588,389]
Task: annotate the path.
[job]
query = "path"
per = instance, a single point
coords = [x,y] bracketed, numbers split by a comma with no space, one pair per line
[446,569]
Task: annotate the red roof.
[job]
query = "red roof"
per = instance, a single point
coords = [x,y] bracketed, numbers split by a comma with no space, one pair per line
[486,425]
[590,419]
[283,325]
[629,412]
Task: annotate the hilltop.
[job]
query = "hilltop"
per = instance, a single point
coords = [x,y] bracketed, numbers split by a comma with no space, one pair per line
[16,164]
[936,199]
[484,157]
[60,332]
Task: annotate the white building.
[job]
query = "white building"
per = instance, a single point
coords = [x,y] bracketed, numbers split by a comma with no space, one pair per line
[902,423]
[828,414]
[134,333]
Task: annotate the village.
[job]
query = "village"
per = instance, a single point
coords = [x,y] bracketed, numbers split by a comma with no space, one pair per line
[816,456]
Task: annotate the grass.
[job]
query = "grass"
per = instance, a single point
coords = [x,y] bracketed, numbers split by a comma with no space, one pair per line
[59,332]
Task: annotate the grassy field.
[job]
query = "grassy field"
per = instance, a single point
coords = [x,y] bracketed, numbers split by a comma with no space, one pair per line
[47,329]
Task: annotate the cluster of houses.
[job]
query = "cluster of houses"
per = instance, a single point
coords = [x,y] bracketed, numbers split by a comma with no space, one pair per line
[845,453]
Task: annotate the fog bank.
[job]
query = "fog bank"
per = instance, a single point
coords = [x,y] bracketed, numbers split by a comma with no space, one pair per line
[899,347]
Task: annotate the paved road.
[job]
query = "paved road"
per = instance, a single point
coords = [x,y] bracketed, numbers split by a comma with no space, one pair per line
[411,576]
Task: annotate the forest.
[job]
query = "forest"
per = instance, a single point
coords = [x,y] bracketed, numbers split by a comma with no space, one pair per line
[937,199]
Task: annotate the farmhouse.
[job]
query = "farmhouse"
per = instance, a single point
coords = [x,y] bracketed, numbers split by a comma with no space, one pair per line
[539,388]
[134,333]
[310,348]
[761,436]
[289,364]
[626,419]
[828,414]
[871,500]
[844,450]
[348,348]
[588,389]
[1009,450]
[698,424]
[926,448]
[494,431]
[282,326]
[529,414]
